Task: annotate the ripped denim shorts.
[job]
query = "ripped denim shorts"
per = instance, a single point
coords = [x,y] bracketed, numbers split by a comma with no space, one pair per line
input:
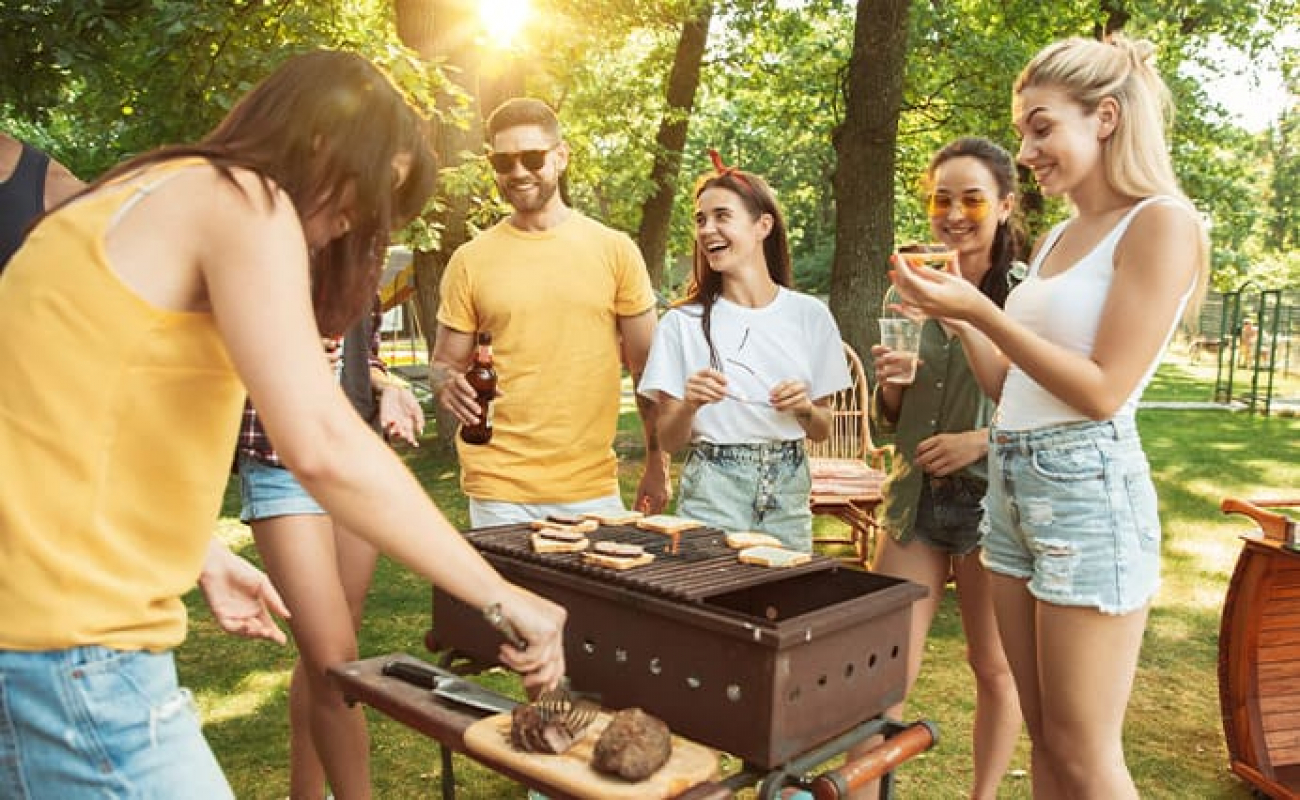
[92,722]
[750,487]
[1072,509]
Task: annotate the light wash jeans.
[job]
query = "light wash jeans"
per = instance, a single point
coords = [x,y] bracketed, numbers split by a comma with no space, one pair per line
[750,487]
[90,722]
[1072,508]
[488,513]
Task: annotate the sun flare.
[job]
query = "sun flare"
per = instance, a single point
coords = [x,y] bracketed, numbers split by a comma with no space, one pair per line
[503,19]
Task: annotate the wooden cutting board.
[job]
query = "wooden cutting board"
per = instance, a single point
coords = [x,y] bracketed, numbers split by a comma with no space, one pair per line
[689,764]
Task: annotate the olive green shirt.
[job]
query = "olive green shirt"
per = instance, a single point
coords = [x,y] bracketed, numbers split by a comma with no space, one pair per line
[944,398]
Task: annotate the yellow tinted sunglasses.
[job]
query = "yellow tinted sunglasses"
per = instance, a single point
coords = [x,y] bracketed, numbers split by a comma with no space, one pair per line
[975,208]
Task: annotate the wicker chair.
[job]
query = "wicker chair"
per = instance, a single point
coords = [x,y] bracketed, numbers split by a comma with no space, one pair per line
[848,468]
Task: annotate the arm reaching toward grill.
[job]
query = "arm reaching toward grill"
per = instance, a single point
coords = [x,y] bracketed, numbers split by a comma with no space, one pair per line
[539,622]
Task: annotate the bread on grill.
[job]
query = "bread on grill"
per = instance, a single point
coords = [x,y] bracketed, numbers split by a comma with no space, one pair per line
[772,557]
[617,555]
[582,526]
[613,517]
[666,523]
[549,541]
[740,540]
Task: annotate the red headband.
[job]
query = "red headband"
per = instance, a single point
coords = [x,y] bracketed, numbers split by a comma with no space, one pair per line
[722,169]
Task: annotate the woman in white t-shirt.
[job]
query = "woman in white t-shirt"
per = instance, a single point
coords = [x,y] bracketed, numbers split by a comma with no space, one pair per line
[1073,536]
[744,368]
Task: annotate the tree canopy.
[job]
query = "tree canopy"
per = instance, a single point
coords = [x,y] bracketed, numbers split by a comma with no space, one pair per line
[100,80]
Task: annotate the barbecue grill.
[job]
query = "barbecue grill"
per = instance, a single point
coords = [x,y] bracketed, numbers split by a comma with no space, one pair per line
[763,663]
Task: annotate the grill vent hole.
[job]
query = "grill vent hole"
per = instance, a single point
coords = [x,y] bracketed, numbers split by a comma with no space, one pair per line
[655,666]
[894,653]
[848,670]
[822,681]
[733,693]
[588,647]
[693,682]
[871,661]
[620,655]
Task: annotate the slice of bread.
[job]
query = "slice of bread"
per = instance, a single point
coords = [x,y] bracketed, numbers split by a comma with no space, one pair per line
[617,562]
[622,549]
[614,517]
[585,526]
[666,523]
[740,540]
[772,557]
[545,544]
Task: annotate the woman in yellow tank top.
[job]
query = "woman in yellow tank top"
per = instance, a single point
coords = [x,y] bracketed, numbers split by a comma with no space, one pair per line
[164,291]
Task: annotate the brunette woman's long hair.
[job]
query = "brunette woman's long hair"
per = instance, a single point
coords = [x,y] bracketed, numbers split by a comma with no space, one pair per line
[1009,239]
[324,121]
[758,199]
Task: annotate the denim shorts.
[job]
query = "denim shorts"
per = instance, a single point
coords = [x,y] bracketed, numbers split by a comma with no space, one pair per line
[90,722]
[948,514]
[750,487]
[268,491]
[487,513]
[1072,508]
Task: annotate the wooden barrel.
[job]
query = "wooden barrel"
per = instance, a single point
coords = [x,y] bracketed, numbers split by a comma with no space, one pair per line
[1259,665]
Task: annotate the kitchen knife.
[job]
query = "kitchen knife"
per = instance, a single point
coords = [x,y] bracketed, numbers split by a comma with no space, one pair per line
[447,685]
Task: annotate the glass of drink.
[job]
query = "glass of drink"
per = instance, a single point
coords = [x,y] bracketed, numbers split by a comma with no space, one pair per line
[902,336]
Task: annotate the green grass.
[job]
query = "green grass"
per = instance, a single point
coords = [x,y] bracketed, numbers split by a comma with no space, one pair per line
[1174,736]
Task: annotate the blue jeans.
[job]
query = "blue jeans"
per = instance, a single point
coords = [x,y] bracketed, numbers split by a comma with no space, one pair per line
[268,491]
[1072,508]
[750,487]
[90,722]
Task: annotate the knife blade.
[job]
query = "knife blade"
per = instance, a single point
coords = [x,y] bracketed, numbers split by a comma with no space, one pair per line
[447,685]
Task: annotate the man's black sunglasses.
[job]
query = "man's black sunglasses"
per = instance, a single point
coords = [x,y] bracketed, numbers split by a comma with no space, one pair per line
[532,160]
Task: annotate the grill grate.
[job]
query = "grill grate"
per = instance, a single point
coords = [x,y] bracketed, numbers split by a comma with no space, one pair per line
[703,565]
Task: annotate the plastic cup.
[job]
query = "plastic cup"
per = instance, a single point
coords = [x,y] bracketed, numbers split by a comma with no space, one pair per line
[903,336]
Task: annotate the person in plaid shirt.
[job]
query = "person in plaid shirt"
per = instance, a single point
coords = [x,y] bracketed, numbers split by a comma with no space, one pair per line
[303,548]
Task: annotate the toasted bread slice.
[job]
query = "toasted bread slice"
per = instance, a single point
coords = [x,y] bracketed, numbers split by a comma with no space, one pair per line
[545,544]
[617,562]
[772,557]
[666,523]
[621,549]
[585,526]
[614,517]
[741,540]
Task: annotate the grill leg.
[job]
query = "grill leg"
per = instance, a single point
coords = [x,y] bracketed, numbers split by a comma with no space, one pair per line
[448,773]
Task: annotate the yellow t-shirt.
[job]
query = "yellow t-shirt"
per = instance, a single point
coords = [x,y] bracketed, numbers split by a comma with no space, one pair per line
[117,420]
[551,301]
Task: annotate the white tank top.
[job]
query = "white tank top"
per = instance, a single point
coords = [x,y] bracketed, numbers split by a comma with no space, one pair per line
[1066,309]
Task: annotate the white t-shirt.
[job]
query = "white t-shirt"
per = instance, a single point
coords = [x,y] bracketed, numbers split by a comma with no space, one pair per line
[1066,309]
[792,338]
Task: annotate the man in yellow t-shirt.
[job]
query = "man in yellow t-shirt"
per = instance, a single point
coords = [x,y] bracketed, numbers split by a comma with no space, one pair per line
[567,301]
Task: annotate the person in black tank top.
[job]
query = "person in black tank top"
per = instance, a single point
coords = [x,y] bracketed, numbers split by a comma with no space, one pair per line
[23,192]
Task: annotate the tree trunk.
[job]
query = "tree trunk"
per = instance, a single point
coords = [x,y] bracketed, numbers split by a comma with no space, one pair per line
[443,31]
[864,177]
[656,212]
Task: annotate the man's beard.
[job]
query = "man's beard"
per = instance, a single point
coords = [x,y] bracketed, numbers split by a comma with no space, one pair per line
[530,200]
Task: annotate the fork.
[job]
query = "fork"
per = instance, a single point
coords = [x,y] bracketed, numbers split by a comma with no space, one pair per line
[561,706]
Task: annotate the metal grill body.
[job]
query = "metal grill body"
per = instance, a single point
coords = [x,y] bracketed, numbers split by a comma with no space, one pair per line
[763,663]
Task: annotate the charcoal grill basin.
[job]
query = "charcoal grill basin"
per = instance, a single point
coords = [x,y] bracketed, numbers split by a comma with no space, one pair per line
[765,669]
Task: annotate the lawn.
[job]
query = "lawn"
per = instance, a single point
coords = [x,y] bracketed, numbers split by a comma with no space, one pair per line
[1174,739]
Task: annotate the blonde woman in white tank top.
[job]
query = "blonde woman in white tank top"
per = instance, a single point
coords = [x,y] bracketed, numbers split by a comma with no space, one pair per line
[1073,540]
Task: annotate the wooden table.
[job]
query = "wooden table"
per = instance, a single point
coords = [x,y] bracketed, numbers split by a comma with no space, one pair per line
[417,708]
[1259,667]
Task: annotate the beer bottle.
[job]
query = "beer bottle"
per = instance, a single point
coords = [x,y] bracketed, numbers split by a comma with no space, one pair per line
[482,376]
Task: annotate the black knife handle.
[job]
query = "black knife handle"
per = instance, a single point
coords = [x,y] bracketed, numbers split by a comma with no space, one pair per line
[412,673]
